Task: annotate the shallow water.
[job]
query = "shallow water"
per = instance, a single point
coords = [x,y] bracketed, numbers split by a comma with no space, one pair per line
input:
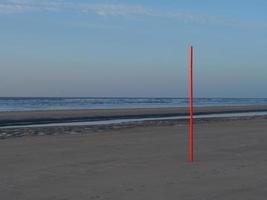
[120,121]
[31,104]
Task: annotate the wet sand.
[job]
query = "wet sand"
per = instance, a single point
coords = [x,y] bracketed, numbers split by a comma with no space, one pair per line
[137,162]
[59,116]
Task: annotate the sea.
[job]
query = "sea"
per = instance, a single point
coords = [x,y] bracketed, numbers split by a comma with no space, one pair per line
[48,103]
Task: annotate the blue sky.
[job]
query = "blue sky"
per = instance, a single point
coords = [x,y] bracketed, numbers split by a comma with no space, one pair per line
[132,48]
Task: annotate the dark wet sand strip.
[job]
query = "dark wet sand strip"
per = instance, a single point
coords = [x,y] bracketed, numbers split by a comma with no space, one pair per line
[60,116]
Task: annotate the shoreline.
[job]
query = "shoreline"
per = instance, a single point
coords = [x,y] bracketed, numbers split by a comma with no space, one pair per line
[16,132]
[66,116]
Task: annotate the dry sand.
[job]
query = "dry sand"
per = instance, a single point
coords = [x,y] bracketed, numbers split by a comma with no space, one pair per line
[138,162]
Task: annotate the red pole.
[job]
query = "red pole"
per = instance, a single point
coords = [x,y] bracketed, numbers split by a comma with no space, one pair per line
[191,108]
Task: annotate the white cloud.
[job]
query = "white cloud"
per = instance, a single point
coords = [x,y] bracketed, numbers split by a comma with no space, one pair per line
[117,10]
[113,10]
[7,8]
[12,6]
[18,6]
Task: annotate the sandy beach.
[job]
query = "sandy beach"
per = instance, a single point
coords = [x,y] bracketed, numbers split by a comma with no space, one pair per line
[145,160]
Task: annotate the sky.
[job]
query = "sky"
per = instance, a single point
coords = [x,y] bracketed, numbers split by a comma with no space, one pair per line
[115,48]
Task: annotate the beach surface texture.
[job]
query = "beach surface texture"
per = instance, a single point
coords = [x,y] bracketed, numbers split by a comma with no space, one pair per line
[136,160]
